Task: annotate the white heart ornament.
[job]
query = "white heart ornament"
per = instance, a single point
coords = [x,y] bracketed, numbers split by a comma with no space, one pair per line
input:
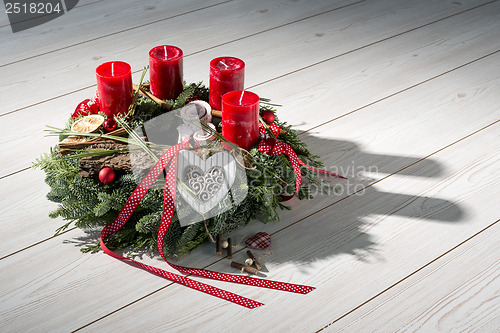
[204,183]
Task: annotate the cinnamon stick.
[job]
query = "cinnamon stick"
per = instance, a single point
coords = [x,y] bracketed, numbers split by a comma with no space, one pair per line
[152,97]
[66,148]
[217,113]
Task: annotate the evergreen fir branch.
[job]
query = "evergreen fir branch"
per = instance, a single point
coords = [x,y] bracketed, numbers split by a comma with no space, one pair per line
[189,234]
[62,228]
[92,248]
[189,246]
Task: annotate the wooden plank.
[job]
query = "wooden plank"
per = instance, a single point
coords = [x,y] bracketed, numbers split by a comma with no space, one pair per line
[350,252]
[24,132]
[72,281]
[5,23]
[25,211]
[331,234]
[75,66]
[97,19]
[477,30]
[463,295]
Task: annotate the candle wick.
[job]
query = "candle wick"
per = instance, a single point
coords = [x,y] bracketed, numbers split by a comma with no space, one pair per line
[222,62]
[241,97]
[112,69]
[165,48]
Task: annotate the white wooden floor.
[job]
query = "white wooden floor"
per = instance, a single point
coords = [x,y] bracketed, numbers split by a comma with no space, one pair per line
[408,91]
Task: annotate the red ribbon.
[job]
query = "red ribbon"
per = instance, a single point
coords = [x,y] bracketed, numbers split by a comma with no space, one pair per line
[269,145]
[169,160]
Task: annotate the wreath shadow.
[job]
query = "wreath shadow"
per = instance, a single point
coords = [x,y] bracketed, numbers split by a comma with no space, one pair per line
[336,223]
[332,224]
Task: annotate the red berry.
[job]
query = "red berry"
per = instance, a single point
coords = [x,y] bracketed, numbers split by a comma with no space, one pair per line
[109,125]
[268,116]
[107,175]
[82,109]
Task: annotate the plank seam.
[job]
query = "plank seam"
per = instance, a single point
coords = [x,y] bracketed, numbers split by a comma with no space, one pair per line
[410,275]
[13,173]
[124,306]
[37,243]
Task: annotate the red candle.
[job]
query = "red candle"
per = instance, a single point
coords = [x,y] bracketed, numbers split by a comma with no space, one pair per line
[240,118]
[226,74]
[166,71]
[114,86]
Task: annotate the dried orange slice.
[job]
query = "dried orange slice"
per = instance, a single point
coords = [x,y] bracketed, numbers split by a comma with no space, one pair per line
[73,139]
[88,124]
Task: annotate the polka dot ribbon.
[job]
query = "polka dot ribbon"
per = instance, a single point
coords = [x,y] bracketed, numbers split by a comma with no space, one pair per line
[169,161]
[269,145]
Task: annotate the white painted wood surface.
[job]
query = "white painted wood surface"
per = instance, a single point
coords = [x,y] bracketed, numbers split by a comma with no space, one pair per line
[406,88]
[453,302]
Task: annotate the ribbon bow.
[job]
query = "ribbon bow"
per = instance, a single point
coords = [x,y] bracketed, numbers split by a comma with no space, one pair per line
[169,162]
[269,145]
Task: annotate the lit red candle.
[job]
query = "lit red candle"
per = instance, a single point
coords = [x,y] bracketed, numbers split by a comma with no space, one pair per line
[166,71]
[240,118]
[114,86]
[226,74]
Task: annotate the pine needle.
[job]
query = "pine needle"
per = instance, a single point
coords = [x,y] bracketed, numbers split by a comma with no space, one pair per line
[136,138]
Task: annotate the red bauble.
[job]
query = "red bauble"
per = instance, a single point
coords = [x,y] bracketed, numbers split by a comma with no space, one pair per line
[93,106]
[96,101]
[107,175]
[268,116]
[109,125]
[286,197]
[87,107]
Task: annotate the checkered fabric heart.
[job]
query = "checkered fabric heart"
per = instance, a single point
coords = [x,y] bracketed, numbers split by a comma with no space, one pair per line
[260,241]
